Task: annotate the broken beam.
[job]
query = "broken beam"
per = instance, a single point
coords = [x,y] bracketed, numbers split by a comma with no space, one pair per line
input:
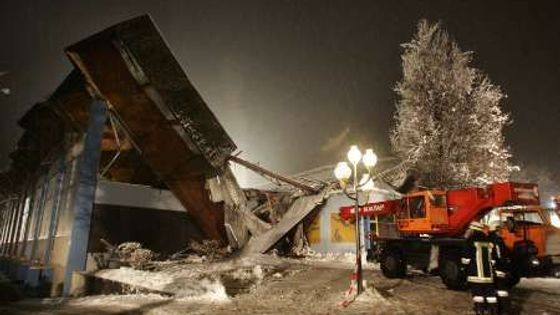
[262,171]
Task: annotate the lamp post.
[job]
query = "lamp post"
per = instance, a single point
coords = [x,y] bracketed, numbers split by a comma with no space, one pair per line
[343,172]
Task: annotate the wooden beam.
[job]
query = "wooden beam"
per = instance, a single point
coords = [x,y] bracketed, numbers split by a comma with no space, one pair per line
[266,173]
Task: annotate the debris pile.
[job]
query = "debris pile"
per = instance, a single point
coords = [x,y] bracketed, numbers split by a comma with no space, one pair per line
[132,254]
[128,254]
[206,250]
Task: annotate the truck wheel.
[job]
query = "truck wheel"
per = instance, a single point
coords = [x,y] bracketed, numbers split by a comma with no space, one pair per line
[392,264]
[452,275]
[513,280]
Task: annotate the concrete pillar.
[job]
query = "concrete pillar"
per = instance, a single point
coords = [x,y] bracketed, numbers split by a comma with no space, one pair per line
[85,192]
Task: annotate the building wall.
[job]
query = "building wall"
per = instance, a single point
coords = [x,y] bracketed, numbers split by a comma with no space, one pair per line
[162,231]
[35,229]
[328,233]
[136,213]
[39,236]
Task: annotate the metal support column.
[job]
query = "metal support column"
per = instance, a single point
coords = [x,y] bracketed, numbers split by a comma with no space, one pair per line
[27,235]
[38,218]
[85,192]
[17,227]
[55,212]
[12,227]
[5,224]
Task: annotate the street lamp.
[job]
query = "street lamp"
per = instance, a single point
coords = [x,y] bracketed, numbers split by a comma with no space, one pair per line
[343,173]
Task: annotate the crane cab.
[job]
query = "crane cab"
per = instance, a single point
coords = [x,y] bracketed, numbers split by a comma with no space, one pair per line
[423,212]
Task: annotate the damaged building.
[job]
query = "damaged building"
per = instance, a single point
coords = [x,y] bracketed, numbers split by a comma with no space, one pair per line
[125,149]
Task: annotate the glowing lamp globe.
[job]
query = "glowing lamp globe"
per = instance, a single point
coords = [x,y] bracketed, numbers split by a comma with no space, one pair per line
[369,158]
[354,155]
[342,171]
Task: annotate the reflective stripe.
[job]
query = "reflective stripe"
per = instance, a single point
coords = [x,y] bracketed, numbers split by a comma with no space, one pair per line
[500,274]
[478,299]
[465,261]
[502,293]
[492,299]
[474,279]
[483,259]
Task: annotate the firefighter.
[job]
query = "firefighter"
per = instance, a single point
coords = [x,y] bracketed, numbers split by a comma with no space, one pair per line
[502,268]
[478,262]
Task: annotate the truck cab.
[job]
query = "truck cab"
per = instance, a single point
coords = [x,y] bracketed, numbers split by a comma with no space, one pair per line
[423,212]
[533,243]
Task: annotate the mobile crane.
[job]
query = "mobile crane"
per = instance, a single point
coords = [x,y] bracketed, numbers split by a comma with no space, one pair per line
[428,225]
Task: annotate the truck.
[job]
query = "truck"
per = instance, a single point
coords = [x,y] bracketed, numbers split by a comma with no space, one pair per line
[425,229]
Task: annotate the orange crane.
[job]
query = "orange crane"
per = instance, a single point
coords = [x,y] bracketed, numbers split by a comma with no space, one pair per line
[428,225]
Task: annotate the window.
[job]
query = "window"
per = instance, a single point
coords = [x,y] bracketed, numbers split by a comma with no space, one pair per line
[529,217]
[417,207]
[438,201]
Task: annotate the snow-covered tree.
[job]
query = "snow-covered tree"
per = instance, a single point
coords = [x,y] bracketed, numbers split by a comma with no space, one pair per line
[449,119]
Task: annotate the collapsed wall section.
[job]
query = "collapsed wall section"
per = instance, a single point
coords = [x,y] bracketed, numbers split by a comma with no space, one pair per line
[130,66]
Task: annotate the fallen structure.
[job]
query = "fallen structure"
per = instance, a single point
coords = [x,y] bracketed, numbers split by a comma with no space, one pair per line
[127,122]
[163,115]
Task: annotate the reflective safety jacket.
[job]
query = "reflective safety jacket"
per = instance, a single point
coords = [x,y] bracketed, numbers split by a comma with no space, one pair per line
[479,258]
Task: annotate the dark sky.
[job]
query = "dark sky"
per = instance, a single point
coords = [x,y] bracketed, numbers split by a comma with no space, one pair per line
[294,82]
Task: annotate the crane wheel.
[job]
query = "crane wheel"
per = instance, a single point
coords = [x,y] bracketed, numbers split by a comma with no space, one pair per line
[452,274]
[513,280]
[392,263]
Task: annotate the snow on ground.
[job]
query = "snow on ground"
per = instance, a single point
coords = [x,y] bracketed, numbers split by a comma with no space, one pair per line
[338,258]
[196,278]
[128,301]
[549,285]
[176,284]
[145,279]
[267,284]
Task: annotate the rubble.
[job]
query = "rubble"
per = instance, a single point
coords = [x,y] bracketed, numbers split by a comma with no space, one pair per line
[299,209]
[128,254]
[206,250]
[133,255]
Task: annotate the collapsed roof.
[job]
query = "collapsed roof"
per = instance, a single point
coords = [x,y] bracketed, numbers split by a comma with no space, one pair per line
[160,132]
[131,67]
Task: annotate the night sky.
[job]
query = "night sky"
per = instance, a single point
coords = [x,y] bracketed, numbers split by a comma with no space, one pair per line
[295,82]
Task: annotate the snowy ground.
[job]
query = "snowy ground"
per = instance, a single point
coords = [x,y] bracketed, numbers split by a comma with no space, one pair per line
[272,285]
